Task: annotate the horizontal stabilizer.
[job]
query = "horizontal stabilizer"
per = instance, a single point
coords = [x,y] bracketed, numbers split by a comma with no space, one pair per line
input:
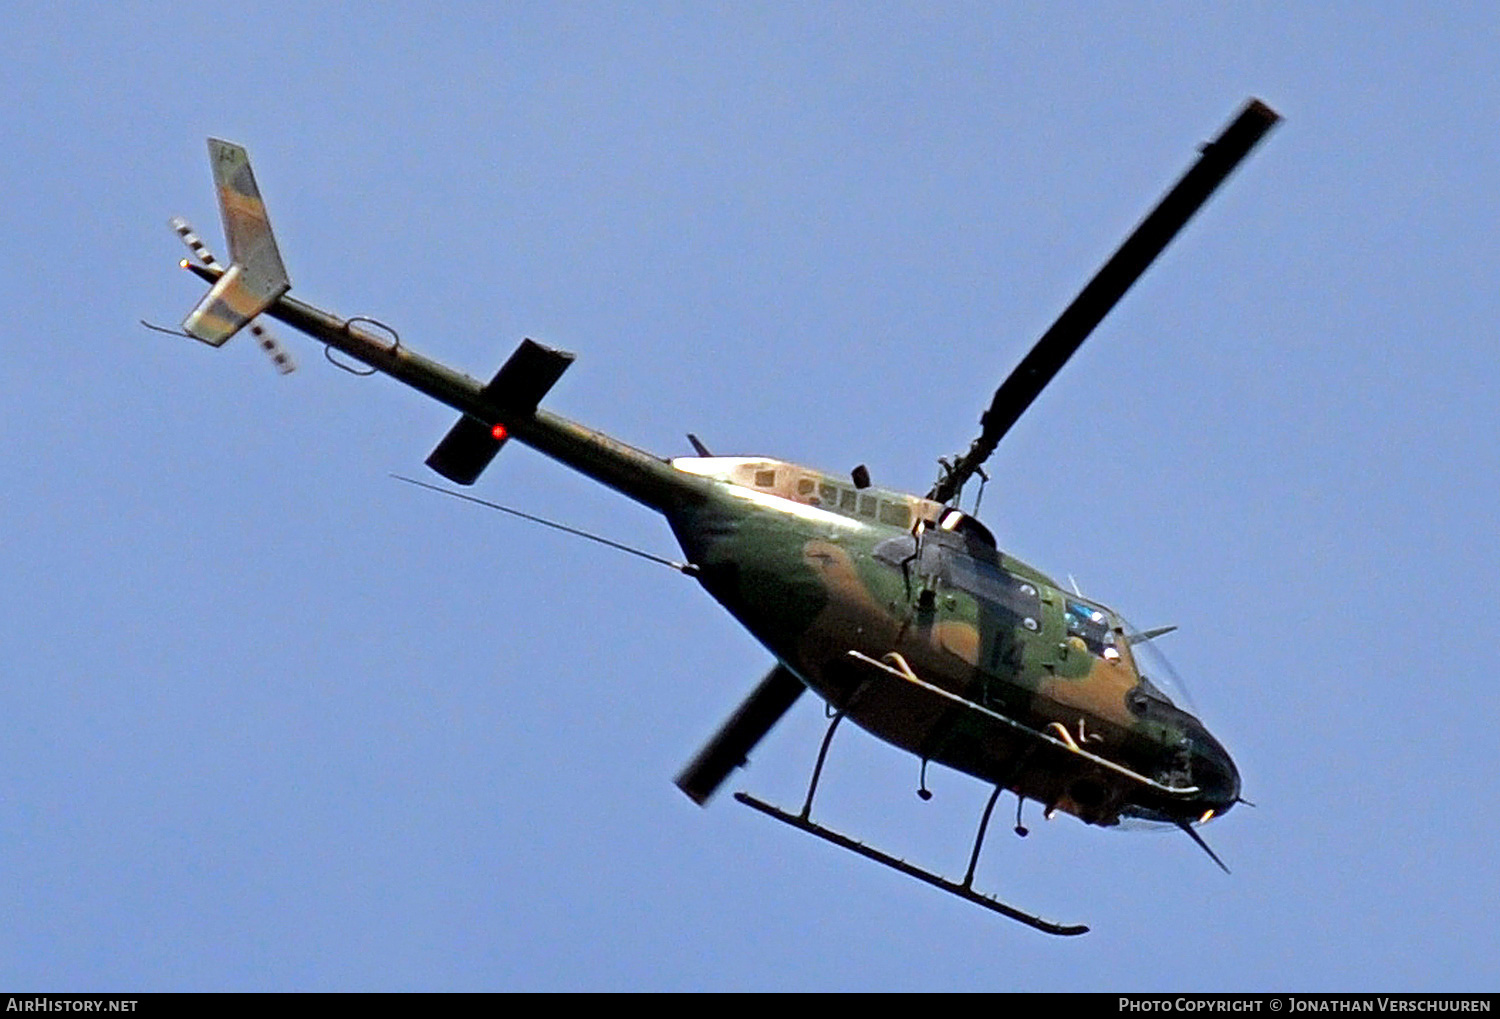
[277,353]
[735,739]
[515,391]
[255,277]
[465,451]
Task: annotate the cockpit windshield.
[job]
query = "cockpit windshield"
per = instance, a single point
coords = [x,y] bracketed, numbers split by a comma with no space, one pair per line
[1157,673]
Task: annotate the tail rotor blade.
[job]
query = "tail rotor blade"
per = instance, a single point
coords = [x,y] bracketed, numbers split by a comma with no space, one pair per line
[273,348]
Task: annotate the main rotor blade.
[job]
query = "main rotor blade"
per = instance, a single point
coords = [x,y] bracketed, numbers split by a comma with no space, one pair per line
[735,739]
[1217,161]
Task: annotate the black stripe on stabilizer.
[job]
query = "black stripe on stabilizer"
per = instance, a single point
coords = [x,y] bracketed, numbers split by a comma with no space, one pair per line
[515,391]
[526,376]
[465,451]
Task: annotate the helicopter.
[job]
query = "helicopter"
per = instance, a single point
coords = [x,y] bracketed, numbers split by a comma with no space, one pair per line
[898,610]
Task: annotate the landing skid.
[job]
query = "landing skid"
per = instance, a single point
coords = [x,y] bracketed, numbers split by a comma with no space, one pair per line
[963,891]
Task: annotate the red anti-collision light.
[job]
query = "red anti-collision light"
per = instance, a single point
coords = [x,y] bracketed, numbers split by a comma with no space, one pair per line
[499,433]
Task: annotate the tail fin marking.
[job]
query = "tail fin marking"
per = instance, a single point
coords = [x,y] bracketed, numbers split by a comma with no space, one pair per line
[256,276]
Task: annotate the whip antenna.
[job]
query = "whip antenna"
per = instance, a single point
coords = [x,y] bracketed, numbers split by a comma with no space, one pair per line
[688,568]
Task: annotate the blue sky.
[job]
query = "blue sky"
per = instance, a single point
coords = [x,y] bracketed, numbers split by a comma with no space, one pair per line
[274,721]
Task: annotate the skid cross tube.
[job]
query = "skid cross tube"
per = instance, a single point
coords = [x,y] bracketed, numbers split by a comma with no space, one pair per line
[984,826]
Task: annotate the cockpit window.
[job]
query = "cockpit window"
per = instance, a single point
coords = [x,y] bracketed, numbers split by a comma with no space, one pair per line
[765,479]
[1091,626]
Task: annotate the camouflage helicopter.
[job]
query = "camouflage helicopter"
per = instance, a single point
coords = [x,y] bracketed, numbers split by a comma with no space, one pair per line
[896,609]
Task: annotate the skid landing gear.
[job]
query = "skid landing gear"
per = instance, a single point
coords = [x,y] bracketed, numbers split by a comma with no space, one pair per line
[963,890]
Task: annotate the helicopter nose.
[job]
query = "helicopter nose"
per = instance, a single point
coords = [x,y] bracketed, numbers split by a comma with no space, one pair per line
[1215,775]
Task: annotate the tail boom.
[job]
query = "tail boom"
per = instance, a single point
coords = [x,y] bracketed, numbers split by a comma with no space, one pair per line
[256,283]
[646,478]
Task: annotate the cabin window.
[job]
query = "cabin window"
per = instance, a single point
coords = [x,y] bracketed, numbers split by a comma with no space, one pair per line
[805,486]
[829,494]
[847,499]
[989,583]
[868,504]
[895,513]
[765,479]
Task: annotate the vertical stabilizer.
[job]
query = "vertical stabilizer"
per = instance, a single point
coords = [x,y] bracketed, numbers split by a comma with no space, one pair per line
[256,276]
